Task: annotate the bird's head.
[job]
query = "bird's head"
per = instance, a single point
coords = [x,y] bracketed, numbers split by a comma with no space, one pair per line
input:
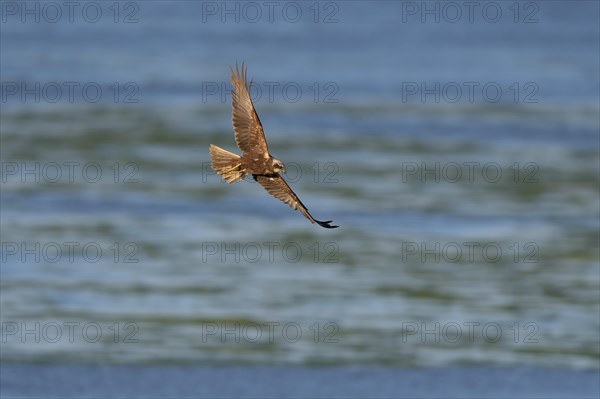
[278,165]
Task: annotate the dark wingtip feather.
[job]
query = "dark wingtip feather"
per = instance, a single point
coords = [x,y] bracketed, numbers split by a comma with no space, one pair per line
[326,224]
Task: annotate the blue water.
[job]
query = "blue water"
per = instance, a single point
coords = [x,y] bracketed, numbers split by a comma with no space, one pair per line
[293,382]
[119,245]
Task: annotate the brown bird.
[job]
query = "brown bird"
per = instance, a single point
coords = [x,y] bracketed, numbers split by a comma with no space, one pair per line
[256,159]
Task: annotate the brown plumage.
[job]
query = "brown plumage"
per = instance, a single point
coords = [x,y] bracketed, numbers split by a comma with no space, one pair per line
[256,159]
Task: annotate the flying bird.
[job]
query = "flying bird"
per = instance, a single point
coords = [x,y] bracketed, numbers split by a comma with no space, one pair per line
[255,159]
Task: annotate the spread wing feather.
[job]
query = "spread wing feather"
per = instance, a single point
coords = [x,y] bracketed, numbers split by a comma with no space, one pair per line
[278,188]
[248,130]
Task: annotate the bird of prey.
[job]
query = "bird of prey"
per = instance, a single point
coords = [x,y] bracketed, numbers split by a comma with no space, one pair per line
[255,159]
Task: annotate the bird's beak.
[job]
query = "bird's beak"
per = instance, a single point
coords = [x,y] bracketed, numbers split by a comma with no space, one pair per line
[283,169]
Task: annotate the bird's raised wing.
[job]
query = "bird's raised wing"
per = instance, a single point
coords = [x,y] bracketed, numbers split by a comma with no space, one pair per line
[247,129]
[278,188]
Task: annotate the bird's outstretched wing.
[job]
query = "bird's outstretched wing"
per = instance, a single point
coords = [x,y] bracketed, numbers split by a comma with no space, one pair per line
[278,188]
[247,129]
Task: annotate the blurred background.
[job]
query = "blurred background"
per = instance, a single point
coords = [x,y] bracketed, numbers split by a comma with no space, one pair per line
[456,146]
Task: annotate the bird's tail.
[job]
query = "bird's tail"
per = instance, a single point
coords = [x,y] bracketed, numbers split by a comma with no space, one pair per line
[226,164]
